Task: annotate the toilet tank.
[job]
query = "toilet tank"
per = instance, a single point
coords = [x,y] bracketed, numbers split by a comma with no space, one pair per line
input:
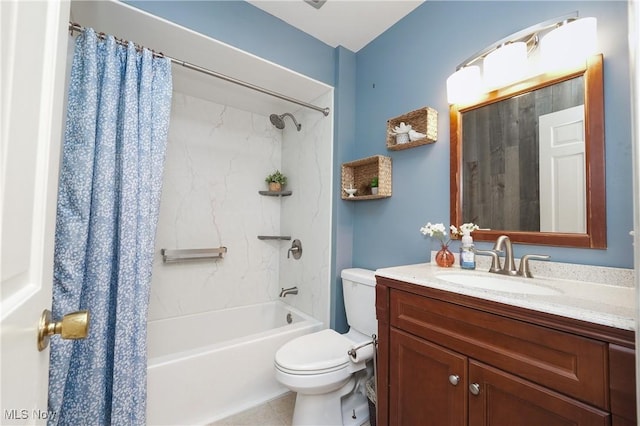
[359,291]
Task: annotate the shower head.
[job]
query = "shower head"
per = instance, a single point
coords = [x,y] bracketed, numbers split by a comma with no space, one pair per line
[278,120]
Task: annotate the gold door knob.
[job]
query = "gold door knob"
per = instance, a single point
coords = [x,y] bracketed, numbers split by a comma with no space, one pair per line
[73,326]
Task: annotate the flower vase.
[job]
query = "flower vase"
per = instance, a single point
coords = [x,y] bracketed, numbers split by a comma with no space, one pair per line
[444,257]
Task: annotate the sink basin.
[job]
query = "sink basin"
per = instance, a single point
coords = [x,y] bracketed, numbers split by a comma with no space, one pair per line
[497,283]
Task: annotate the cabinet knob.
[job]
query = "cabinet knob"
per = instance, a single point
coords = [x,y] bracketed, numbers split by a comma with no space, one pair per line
[454,379]
[474,388]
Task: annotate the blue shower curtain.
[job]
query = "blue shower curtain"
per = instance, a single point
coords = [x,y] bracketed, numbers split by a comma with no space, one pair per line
[108,202]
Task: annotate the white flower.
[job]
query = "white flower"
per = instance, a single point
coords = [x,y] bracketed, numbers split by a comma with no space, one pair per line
[468,228]
[437,230]
[433,230]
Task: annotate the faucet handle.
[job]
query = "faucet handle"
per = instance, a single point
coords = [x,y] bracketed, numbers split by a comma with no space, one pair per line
[523,270]
[292,250]
[495,259]
[296,249]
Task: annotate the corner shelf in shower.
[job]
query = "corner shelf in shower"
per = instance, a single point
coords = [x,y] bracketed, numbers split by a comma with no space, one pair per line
[275,193]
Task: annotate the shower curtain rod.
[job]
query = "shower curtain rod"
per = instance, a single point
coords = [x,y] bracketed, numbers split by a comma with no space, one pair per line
[77,27]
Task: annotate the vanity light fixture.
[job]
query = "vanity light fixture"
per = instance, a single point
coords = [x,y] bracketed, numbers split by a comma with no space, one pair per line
[463,86]
[569,43]
[563,42]
[505,65]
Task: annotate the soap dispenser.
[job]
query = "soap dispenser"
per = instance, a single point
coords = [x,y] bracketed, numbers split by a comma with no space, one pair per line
[467,252]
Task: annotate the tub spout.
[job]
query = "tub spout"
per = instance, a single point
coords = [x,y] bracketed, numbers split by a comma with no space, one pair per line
[285,291]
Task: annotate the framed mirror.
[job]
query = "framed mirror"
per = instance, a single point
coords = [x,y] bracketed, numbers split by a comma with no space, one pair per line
[527,161]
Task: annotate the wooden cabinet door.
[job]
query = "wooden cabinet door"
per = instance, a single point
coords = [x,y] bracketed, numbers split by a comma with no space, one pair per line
[622,383]
[507,400]
[421,390]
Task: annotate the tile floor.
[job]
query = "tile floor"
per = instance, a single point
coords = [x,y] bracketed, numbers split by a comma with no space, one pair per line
[277,412]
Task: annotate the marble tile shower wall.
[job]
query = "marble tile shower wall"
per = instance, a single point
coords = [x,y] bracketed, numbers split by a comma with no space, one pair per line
[306,215]
[217,158]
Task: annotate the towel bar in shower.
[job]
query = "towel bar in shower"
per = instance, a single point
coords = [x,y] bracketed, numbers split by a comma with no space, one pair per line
[179,255]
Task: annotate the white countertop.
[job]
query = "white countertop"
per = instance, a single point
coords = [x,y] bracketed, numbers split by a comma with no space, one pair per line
[605,304]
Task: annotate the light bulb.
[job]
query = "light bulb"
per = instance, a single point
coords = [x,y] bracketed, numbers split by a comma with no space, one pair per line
[505,65]
[570,44]
[464,85]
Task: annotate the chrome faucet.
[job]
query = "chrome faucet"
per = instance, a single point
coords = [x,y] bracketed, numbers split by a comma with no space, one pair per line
[285,291]
[509,267]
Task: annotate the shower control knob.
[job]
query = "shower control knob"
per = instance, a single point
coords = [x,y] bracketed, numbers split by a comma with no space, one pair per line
[295,250]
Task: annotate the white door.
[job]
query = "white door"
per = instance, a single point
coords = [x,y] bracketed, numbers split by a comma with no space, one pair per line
[562,171]
[33,57]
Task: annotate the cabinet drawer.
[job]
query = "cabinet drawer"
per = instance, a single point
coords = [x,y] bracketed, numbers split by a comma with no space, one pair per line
[564,362]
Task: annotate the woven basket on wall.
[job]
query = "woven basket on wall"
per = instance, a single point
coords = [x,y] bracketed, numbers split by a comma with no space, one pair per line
[358,174]
[423,120]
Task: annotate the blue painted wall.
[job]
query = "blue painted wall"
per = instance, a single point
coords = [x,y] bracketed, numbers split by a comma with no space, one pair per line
[246,27]
[407,67]
[343,147]
[404,69]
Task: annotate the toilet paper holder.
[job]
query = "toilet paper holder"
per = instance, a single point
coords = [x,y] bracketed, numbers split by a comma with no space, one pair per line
[353,352]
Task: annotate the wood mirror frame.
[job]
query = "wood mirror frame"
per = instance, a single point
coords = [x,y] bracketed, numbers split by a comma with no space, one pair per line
[596,229]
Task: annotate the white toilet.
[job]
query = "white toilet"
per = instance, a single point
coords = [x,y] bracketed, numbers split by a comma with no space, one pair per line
[328,381]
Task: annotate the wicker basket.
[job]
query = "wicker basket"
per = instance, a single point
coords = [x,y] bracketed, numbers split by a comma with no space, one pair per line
[358,174]
[423,120]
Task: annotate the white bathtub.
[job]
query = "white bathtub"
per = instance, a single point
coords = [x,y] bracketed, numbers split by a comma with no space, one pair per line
[205,367]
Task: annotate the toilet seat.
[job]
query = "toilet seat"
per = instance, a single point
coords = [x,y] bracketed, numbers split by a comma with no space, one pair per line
[317,353]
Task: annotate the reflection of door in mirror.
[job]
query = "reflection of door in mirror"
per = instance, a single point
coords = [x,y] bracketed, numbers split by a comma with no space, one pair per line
[501,166]
[563,203]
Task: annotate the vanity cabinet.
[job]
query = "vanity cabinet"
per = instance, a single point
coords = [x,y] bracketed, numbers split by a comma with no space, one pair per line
[419,387]
[450,359]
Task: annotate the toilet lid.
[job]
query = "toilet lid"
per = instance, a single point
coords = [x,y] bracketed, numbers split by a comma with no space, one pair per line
[318,352]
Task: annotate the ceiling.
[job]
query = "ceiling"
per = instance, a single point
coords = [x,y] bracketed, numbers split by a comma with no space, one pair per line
[348,23]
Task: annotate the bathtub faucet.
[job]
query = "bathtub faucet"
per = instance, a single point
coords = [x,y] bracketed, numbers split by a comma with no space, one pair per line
[285,291]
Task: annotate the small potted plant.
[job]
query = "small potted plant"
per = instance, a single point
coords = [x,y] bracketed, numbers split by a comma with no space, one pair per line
[374,185]
[276,181]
